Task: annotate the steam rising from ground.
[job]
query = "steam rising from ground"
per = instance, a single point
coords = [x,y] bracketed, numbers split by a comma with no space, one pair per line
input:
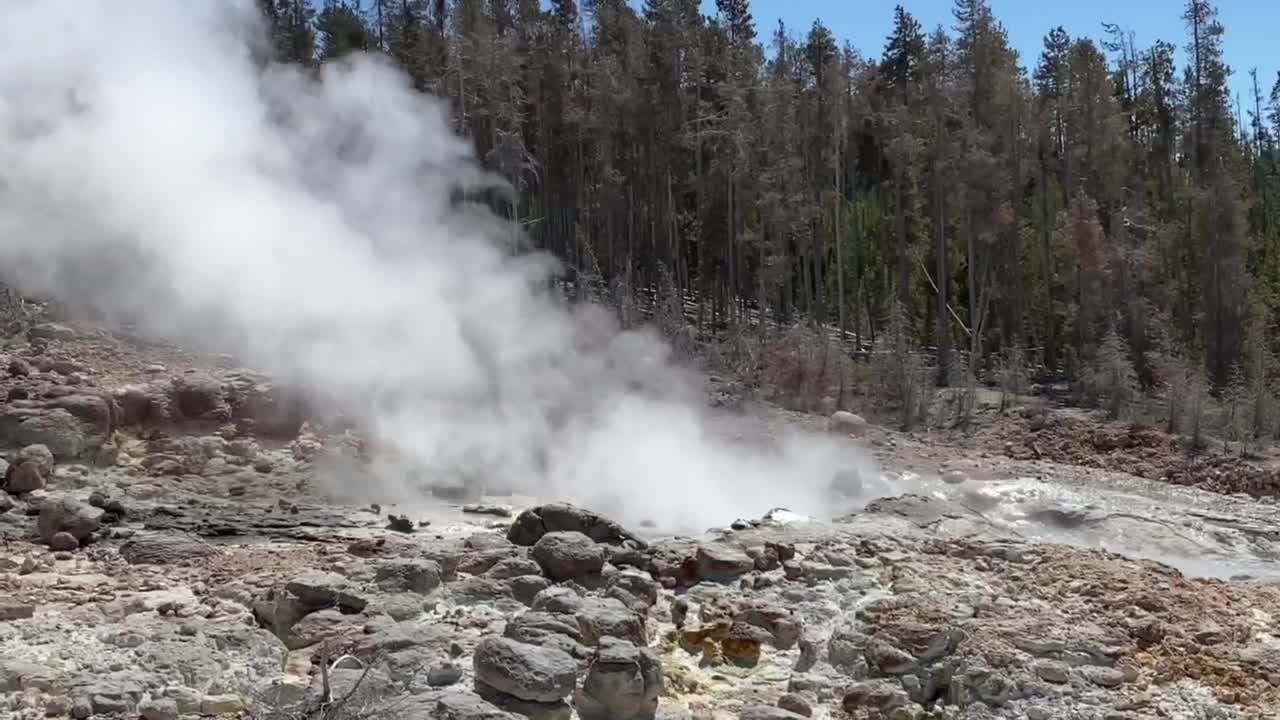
[154,167]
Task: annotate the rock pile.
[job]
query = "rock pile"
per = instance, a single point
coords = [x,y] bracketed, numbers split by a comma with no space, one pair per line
[195,575]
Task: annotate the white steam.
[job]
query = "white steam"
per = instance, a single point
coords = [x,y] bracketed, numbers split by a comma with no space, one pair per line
[153,167]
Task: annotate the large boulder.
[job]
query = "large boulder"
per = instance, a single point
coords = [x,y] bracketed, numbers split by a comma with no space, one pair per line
[527,672]
[721,562]
[271,410]
[548,630]
[843,422]
[31,470]
[568,555]
[532,524]
[68,515]
[57,429]
[143,404]
[624,682]
[51,331]
[93,410]
[601,618]
[197,396]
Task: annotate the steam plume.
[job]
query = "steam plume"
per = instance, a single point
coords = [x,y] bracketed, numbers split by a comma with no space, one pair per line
[153,166]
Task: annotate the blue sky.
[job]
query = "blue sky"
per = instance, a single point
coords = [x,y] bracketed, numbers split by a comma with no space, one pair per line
[1251,25]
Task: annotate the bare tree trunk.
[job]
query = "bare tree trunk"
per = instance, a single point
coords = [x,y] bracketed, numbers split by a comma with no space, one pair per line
[940,258]
[900,222]
[840,302]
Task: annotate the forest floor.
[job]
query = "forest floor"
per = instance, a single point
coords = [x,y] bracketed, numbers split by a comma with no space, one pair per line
[1037,565]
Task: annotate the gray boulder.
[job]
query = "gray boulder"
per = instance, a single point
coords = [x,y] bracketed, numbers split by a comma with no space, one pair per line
[568,555]
[317,591]
[161,709]
[527,672]
[463,706]
[719,562]
[57,429]
[636,584]
[69,515]
[51,331]
[197,395]
[524,588]
[63,542]
[843,422]
[559,600]
[416,576]
[601,618]
[624,682]
[31,470]
[532,524]
[555,631]
[513,567]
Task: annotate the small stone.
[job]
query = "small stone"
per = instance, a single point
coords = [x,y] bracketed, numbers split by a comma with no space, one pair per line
[482,509]
[63,542]
[679,612]
[796,704]
[444,675]
[954,477]
[221,705]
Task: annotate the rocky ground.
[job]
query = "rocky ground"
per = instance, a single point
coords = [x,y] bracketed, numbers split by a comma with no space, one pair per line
[165,556]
